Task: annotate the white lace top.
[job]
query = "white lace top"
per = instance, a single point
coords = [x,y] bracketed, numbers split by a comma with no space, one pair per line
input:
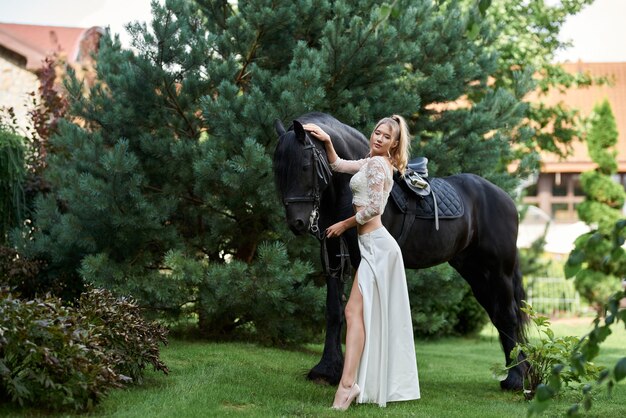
[371,184]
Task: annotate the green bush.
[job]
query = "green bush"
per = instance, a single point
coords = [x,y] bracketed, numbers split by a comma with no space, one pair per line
[58,357]
[442,303]
[49,359]
[131,341]
[271,301]
[546,358]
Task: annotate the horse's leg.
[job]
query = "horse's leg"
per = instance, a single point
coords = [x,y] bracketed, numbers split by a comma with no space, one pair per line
[329,368]
[500,293]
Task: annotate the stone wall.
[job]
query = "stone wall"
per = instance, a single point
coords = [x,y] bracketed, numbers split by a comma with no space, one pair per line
[15,85]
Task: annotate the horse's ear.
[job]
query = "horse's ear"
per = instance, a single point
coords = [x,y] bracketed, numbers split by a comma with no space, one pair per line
[280,129]
[299,130]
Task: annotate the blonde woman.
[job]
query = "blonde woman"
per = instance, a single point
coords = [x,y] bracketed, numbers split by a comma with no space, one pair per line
[380,364]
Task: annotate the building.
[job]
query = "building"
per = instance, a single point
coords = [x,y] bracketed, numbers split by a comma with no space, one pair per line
[557,190]
[23,49]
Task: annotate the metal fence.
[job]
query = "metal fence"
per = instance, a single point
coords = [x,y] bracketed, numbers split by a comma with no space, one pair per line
[554,296]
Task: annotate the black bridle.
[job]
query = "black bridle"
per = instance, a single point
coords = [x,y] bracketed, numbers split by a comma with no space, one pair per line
[321,174]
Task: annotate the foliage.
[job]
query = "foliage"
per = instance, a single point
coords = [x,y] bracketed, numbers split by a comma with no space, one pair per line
[270,300]
[275,302]
[49,105]
[545,359]
[613,265]
[601,209]
[604,197]
[19,274]
[12,174]
[529,41]
[172,158]
[442,303]
[58,357]
[131,341]
[47,358]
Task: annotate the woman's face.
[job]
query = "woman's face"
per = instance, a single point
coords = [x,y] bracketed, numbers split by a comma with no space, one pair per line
[382,141]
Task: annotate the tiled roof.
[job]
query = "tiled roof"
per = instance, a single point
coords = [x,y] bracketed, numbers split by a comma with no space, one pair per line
[585,99]
[35,42]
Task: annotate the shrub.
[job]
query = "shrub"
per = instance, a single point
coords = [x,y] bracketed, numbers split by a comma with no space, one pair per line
[19,274]
[47,358]
[271,300]
[131,341]
[546,359]
[58,357]
[442,303]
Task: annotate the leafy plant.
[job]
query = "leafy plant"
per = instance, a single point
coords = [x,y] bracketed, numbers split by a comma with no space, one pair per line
[131,341]
[546,357]
[48,358]
[20,274]
[58,357]
[613,265]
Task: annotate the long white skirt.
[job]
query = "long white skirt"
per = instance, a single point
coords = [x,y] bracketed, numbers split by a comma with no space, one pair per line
[388,368]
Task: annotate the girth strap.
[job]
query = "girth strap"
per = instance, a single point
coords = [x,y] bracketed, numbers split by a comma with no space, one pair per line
[409,217]
[407,221]
[436,210]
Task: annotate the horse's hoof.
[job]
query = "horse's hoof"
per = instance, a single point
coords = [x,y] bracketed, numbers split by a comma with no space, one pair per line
[320,377]
[512,383]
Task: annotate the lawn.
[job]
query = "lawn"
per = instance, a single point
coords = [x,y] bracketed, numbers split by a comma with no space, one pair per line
[234,379]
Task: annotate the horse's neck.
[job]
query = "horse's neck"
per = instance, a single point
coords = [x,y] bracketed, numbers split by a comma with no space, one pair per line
[349,149]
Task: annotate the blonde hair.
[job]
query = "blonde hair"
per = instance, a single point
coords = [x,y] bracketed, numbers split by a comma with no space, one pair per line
[399,155]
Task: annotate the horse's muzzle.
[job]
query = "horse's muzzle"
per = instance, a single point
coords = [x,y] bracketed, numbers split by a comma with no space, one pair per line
[298,226]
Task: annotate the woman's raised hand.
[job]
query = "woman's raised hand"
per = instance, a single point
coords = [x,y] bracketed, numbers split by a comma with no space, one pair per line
[316,131]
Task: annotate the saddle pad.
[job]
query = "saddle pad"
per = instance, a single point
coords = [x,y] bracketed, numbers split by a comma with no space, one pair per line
[449,204]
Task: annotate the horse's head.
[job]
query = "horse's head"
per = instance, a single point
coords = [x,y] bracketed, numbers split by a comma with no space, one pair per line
[302,174]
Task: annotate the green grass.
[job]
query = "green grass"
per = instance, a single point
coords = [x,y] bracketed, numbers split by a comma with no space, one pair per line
[229,379]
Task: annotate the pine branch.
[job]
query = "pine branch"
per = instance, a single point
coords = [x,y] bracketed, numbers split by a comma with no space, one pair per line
[193,200]
[174,105]
[360,45]
[249,58]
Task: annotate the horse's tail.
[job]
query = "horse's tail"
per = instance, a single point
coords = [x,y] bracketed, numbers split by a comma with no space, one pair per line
[520,295]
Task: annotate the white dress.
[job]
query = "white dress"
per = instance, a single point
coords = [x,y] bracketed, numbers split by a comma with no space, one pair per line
[388,368]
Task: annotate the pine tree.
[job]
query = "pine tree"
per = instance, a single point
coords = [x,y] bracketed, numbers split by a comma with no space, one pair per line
[164,188]
[602,209]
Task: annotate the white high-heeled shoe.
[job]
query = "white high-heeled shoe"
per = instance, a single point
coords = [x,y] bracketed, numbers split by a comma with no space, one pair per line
[355,390]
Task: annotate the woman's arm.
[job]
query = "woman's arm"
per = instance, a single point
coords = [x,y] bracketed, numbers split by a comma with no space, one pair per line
[375,174]
[336,164]
[319,133]
[339,228]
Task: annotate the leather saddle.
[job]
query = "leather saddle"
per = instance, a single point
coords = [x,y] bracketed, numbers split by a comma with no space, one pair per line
[418,196]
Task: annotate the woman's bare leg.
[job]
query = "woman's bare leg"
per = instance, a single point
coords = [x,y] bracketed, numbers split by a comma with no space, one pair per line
[355,340]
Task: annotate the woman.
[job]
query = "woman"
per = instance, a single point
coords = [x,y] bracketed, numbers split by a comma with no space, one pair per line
[379,336]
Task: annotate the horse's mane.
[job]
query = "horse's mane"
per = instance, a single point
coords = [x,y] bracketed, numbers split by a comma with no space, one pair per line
[288,156]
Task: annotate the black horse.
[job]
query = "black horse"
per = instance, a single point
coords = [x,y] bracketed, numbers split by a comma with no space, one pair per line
[480,245]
